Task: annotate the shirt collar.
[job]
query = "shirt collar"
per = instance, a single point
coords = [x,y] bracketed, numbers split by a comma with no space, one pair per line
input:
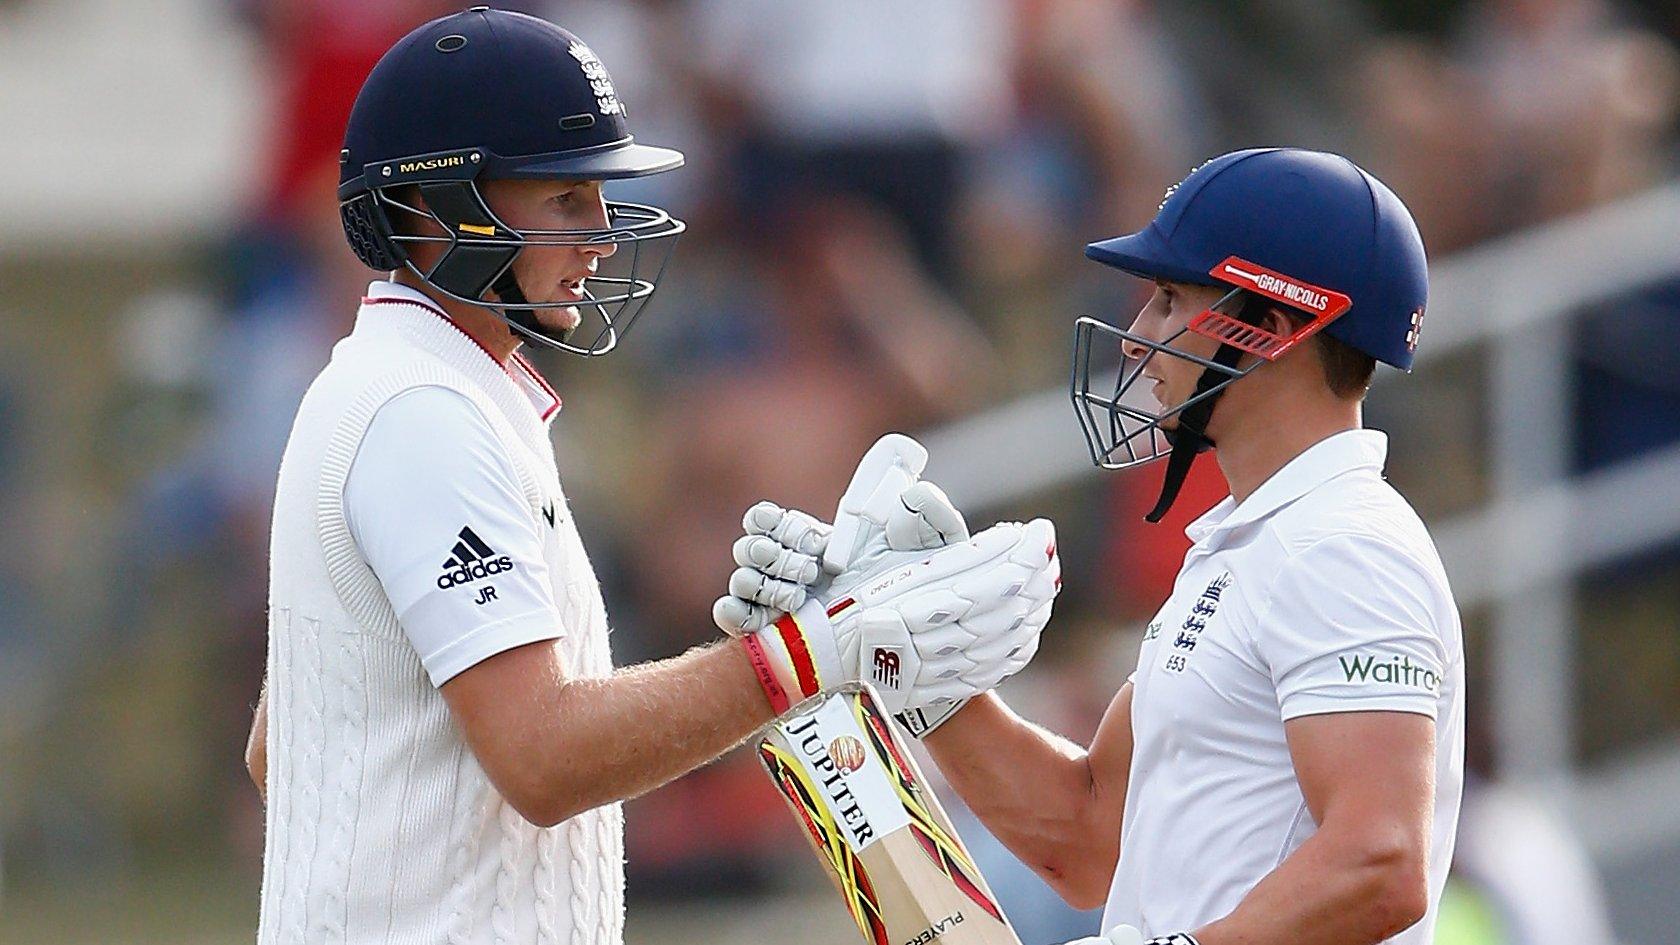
[518,369]
[1325,460]
[381,290]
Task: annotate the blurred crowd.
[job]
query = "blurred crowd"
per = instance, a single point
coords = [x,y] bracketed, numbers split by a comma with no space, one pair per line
[887,203]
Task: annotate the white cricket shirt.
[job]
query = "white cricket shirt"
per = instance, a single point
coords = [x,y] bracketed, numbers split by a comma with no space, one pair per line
[1321,592]
[419,528]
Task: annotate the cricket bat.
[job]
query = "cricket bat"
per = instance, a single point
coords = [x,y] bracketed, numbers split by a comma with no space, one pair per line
[876,827]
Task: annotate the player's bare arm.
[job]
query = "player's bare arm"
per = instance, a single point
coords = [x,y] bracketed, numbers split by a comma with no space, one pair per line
[1064,821]
[1369,783]
[555,746]
[530,726]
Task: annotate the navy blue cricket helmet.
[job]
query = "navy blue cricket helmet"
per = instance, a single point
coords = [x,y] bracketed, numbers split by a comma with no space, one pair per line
[1305,230]
[487,94]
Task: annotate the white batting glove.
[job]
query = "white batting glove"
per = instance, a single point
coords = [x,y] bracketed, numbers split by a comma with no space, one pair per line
[887,508]
[786,553]
[779,558]
[938,629]
[954,637]
[887,520]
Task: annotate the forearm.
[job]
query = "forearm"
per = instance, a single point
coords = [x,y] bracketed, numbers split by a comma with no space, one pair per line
[618,737]
[1034,791]
[1333,890]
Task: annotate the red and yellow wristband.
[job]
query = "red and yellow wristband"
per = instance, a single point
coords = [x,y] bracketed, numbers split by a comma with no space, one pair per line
[782,660]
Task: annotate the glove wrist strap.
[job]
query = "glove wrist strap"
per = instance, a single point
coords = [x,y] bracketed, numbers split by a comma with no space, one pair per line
[783,659]
[919,722]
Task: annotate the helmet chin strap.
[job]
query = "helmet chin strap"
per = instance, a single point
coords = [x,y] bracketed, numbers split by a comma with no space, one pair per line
[1189,437]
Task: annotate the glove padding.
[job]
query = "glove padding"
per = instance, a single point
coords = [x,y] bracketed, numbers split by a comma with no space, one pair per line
[886,494]
[937,630]
[917,520]
[956,623]
[868,601]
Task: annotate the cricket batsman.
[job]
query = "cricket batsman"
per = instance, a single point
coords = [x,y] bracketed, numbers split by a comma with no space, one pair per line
[442,739]
[1284,767]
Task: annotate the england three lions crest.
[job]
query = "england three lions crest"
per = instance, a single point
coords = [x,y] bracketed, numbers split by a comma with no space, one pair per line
[1190,631]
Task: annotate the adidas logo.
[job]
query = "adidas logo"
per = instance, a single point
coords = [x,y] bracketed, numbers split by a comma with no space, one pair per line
[470,560]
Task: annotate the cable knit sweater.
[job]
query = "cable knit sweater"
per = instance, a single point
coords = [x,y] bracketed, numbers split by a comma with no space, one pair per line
[381,826]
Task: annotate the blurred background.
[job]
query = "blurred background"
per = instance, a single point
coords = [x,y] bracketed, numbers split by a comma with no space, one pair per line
[887,203]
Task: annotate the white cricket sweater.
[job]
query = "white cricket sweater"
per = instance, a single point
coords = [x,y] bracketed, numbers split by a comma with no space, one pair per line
[381,826]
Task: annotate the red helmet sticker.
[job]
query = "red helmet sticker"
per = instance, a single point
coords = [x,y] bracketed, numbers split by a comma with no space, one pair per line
[1314,300]
[1320,304]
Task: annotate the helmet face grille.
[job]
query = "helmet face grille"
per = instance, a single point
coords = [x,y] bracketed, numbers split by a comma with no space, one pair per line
[370,245]
[1123,422]
[478,250]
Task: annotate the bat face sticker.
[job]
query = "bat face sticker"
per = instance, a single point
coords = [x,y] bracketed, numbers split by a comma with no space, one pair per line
[847,753]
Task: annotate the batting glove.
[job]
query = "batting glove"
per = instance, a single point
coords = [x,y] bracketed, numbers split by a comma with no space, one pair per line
[786,554]
[934,631]
[887,519]
[779,559]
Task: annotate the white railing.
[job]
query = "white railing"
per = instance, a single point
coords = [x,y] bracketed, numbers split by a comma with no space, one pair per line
[1538,528]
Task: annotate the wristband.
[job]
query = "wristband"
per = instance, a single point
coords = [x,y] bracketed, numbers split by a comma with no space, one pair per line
[784,660]
[1177,938]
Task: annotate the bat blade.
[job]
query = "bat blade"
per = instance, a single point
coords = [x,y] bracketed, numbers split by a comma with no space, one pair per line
[879,832]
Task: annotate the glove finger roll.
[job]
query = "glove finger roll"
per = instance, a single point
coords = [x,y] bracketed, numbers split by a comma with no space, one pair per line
[735,616]
[762,553]
[790,528]
[802,532]
[994,671]
[759,588]
[934,607]
[925,519]
[986,627]
[937,510]
[763,516]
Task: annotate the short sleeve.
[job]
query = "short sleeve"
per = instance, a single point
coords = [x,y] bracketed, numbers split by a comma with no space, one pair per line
[434,504]
[1353,626]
